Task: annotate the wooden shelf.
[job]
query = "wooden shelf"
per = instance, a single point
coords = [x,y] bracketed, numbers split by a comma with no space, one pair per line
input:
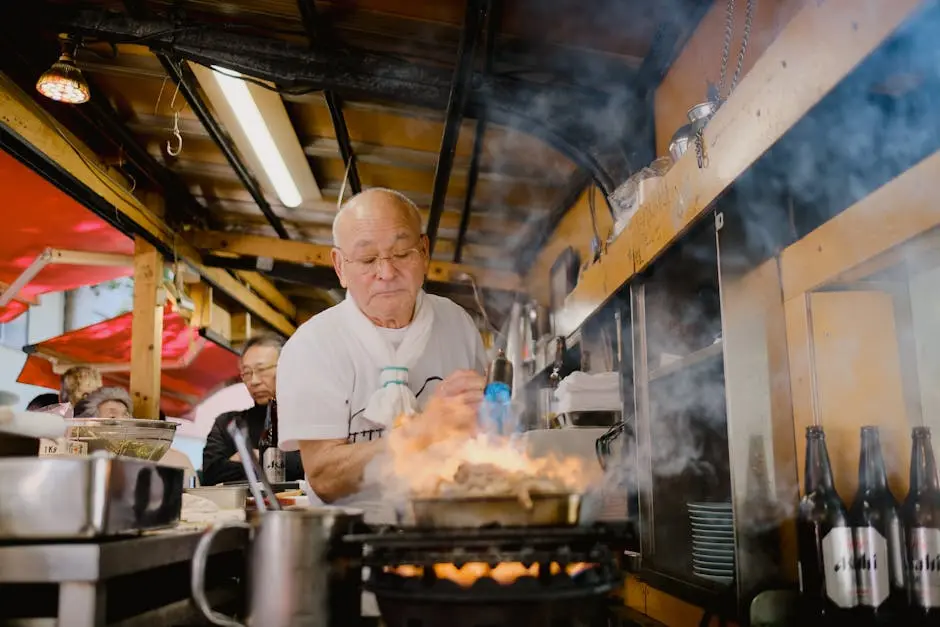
[703,354]
[782,87]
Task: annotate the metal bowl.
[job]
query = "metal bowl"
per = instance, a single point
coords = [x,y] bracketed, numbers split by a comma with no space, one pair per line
[130,437]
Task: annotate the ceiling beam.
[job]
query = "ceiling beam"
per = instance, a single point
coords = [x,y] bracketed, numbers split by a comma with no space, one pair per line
[304,253]
[183,77]
[459,89]
[493,16]
[317,36]
[588,126]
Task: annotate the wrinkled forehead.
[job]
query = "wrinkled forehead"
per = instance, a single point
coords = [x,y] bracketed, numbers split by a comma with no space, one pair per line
[381,222]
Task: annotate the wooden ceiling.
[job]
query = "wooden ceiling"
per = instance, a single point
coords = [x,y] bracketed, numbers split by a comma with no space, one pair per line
[513,184]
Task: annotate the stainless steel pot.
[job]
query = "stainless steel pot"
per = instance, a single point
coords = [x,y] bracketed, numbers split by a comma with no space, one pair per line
[701,113]
[478,511]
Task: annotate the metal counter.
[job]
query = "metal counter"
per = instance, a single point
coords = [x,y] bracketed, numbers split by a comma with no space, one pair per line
[85,571]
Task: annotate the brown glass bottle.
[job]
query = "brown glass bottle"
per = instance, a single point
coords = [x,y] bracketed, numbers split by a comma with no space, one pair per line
[879,542]
[921,517]
[272,457]
[827,575]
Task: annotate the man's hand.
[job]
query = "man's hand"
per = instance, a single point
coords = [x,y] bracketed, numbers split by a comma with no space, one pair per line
[462,386]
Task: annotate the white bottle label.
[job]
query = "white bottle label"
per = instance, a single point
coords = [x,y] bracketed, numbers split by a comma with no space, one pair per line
[273,464]
[925,566]
[839,566]
[873,565]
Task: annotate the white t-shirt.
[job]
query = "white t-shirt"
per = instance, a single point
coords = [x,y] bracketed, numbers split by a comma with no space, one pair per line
[325,379]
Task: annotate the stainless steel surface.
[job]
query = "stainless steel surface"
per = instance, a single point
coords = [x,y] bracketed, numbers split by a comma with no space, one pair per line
[83,497]
[131,437]
[82,569]
[289,555]
[700,113]
[680,142]
[587,418]
[764,482]
[644,445]
[546,510]
[253,472]
[226,497]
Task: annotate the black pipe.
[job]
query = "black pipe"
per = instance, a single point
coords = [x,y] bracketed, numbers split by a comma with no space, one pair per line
[317,35]
[460,87]
[183,77]
[493,15]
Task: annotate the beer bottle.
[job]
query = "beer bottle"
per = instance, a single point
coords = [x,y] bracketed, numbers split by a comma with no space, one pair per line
[879,544]
[921,516]
[272,457]
[824,540]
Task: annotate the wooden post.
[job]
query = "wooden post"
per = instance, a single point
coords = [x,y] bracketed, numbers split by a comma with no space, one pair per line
[146,330]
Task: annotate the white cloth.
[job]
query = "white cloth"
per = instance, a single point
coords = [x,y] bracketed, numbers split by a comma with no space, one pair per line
[581,391]
[326,378]
[393,397]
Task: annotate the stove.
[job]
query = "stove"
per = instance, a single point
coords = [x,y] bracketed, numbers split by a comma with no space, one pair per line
[495,576]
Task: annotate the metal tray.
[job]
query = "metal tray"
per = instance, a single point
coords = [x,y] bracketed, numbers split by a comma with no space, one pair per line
[86,497]
[548,510]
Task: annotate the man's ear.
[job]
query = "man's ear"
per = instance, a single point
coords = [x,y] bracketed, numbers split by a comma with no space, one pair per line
[337,258]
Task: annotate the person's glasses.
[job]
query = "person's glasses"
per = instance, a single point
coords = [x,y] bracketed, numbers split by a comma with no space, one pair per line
[247,374]
[371,263]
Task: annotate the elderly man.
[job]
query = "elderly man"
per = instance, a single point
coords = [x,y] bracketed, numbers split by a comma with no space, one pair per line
[220,461]
[388,350]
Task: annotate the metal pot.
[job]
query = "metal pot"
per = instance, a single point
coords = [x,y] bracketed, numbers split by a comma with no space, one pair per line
[680,142]
[701,113]
[477,511]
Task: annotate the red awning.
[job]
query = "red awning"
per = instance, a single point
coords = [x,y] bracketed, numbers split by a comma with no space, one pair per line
[193,367]
[38,215]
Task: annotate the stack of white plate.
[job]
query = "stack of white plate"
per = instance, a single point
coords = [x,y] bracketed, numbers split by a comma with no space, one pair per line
[712,541]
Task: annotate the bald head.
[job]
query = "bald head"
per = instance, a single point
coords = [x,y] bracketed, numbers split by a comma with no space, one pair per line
[371,206]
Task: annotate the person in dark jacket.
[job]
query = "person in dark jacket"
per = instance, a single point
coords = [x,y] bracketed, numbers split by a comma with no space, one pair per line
[220,460]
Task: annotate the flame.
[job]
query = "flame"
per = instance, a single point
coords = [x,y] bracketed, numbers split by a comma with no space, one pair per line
[428,468]
[504,573]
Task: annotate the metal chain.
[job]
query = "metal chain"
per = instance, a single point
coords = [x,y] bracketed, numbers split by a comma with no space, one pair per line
[700,153]
[745,37]
[726,51]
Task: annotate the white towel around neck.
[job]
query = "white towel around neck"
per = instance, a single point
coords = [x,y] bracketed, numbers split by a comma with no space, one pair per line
[394,397]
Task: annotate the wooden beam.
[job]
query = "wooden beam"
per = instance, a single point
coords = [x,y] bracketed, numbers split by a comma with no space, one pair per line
[816,50]
[21,115]
[267,290]
[146,330]
[254,303]
[893,214]
[319,255]
[240,328]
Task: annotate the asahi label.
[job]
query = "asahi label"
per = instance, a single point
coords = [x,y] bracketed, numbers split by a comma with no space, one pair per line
[873,564]
[925,566]
[273,464]
[839,566]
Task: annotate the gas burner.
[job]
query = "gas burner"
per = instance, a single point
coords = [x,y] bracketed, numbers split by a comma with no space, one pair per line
[492,576]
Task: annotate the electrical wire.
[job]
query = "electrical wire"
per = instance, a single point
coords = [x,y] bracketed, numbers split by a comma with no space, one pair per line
[481,306]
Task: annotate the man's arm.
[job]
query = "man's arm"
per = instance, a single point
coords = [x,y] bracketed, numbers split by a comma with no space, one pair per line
[334,468]
[217,465]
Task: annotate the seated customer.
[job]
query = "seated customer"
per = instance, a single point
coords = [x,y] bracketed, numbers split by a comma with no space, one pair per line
[111,402]
[77,383]
[220,460]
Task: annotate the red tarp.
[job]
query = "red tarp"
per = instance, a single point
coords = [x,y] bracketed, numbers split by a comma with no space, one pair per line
[193,367]
[37,215]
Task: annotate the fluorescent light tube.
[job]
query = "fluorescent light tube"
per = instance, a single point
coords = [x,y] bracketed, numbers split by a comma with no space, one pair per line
[252,123]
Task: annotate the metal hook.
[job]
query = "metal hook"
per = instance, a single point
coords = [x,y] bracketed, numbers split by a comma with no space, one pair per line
[176,134]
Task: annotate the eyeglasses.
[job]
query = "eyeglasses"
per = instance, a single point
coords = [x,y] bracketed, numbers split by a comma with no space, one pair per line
[247,374]
[371,264]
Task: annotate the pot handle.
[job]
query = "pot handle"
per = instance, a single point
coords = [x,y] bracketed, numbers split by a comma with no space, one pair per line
[198,578]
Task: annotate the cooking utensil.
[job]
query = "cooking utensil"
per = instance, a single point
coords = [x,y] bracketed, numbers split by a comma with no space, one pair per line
[86,497]
[477,511]
[226,497]
[293,582]
[128,437]
[238,431]
[700,114]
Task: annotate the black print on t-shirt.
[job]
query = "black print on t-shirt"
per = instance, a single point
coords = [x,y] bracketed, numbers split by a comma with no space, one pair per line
[373,434]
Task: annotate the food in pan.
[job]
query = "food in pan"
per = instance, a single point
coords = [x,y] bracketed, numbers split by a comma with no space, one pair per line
[484,479]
